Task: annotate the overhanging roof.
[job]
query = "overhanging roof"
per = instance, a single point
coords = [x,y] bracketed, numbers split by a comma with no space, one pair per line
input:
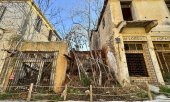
[147,24]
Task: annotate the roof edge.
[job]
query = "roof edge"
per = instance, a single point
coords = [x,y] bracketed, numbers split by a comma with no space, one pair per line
[101,14]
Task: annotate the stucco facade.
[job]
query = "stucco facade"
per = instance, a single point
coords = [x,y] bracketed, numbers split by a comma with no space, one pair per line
[136,36]
[18,21]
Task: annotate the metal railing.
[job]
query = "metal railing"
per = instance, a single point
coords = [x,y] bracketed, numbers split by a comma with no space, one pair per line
[38,93]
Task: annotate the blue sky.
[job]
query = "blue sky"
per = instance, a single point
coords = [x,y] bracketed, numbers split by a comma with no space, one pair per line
[63,10]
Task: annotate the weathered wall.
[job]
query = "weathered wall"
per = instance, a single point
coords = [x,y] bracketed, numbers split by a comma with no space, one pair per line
[149,10]
[19,22]
[104,30]
[95,41]
[20,18]
[141,10]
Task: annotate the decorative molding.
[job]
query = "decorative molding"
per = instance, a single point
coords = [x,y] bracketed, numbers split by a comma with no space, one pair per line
[134,38]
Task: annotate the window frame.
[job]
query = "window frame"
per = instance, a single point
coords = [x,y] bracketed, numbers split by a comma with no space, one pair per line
[38,24]
[138,50]
[2,11]
[125,5]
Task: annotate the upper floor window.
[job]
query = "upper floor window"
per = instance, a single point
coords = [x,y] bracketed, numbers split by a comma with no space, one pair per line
[103,23]
[50,35]
[126,10]
[38,24]
[168,4]
[2,11]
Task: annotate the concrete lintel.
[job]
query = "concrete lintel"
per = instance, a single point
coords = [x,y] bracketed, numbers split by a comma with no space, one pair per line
[147,24]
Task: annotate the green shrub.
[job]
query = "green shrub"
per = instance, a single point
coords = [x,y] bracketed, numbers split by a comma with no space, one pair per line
[85,80]
[73,90]
[165,90]
[166,77]
[142,95]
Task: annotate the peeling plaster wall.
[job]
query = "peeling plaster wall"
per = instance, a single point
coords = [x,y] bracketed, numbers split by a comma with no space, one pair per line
[141,10]
[19,21]
[104,31]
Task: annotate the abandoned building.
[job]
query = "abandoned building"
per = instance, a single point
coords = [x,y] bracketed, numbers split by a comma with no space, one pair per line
[135,34]
[30,48]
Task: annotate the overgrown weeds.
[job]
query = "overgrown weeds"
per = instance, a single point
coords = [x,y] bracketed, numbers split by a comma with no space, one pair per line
[166,77]
[165,90]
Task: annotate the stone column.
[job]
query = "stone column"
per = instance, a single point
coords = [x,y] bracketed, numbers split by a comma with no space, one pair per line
[155,61]
[60,74]
[123,73]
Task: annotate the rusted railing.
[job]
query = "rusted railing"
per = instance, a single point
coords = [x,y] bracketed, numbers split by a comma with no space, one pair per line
[38,93]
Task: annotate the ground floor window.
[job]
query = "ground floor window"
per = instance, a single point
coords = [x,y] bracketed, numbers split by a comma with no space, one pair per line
[136,64]
[135,60]
[33,67]
[162,50]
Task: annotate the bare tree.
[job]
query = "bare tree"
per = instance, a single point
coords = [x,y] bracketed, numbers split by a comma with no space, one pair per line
[77,39]
[86,18]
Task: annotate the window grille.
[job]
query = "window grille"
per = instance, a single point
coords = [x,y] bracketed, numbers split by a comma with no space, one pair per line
[34,67]
[136,64]
[135,61]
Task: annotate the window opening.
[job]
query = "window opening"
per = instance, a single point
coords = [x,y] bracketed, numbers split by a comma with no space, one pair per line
[34,67]
[38,24]
[126,10]
[2,11]
[136,64]
[135,60]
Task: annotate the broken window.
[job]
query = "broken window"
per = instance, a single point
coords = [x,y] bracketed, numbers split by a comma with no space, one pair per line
[38,24]
[136,64]
[135,60]
[34,67]
[2,11]
[126,10]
